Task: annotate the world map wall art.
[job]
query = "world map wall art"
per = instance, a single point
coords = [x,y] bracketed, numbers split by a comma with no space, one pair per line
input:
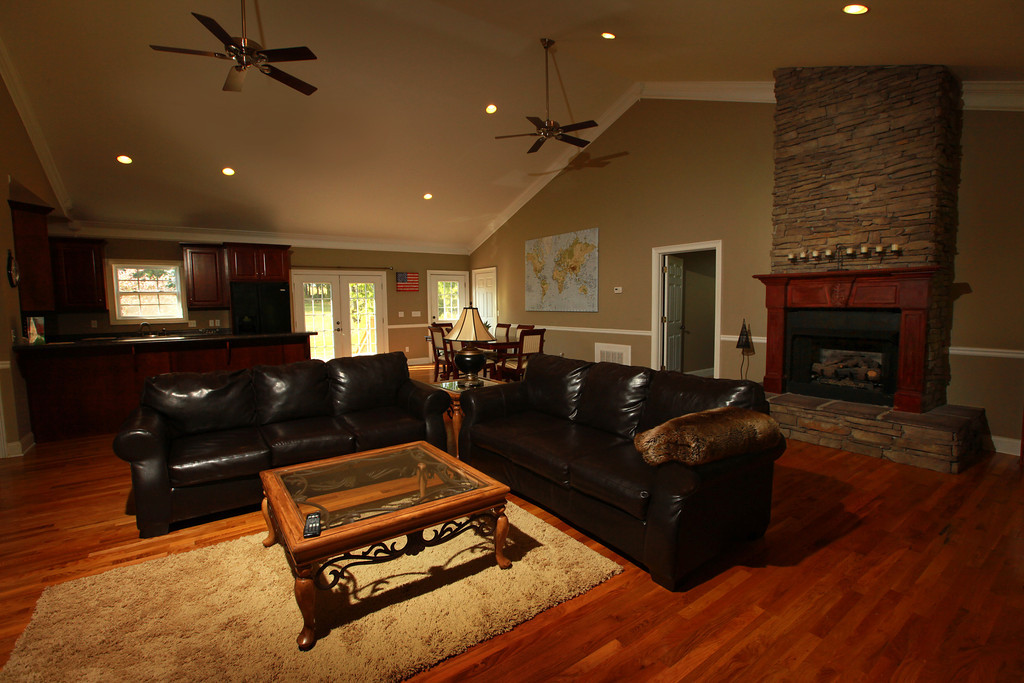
[561,272]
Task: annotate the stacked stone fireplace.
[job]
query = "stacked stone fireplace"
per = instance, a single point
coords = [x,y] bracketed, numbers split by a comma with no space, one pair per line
[867,168]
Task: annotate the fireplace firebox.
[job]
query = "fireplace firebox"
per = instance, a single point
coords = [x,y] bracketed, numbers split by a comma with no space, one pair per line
[847,355]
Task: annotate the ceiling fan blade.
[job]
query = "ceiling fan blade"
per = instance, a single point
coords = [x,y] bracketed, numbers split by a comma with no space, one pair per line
[288,79]
[184,51]
[288,54]
[536,145]
[236,76]
[572,141]
[517,135]
[536,120]
[579,126]
[213,27]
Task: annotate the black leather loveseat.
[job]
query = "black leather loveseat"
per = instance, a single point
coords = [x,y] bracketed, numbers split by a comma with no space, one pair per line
[564,437]
[198,441]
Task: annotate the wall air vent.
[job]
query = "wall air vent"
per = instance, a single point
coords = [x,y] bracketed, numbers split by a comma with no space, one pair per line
[612,353]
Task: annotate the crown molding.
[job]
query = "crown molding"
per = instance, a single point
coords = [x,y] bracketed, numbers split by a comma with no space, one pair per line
[610,116]
[169,233]
[994,95]
[714,91]
[34,130]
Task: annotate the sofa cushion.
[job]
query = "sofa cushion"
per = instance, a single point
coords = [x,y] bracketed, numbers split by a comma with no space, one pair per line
[547,452]
[366,382]
[617,476]
[307,439]
[291,391]
[553,384]
[195,402]
[215,456]
[613,397]
[672,394]
[385,426]
[708,435]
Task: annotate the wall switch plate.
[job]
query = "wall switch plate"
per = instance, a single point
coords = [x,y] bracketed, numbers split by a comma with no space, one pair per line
[401,314]
[415,314]
[617,290]
[216,323]
[211,323]
[92,324]
[407,349]
[191,323]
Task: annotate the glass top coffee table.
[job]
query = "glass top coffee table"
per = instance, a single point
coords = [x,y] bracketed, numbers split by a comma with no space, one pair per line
[365,500]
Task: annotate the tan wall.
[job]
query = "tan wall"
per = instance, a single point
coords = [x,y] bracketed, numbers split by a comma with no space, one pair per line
[987,314]
[686,172]
[700,171]
[21,178]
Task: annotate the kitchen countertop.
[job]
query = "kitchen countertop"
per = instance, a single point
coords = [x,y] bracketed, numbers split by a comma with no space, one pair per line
[170,338]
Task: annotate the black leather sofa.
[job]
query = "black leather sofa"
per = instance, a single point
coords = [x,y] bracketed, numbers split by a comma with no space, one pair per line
[564,438]
[198,441]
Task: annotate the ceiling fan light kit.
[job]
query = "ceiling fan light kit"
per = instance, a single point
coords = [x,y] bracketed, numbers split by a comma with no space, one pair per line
[548,127]
[246,53]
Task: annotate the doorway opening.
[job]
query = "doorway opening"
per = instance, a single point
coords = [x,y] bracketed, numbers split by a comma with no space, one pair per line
[686,309]
[345,309]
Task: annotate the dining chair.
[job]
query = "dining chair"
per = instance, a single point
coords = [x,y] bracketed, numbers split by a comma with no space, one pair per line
[513,366]
[501,331]
[452,370]
[437,333]
[514,332]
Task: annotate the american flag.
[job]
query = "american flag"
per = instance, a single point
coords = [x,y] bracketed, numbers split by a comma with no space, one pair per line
[407,282]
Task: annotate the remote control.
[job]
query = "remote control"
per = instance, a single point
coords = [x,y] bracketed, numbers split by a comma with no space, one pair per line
[312,525]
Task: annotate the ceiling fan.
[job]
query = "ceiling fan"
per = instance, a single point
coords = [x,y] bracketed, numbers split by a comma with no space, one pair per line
[246,53]
[546,127]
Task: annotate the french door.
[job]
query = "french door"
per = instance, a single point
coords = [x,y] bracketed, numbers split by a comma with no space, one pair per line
[346,310]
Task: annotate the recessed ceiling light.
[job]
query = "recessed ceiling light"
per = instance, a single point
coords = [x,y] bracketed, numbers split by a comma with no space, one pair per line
[227,170]
[608,36]
[428,196]
[856,9]
[124,159]
[491,108]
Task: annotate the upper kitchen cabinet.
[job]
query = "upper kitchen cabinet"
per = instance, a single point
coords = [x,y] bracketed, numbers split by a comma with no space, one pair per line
[32,256]
[206,283]
[252,262]
[78,274]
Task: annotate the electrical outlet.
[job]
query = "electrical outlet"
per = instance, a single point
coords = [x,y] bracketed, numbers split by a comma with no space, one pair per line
[92,324]
[401,314]
[191,323]
[407,349]
[216,323]
[616,290]
[211,323]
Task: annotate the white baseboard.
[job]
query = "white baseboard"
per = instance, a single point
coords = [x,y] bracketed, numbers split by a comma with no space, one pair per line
[1003,444]
[16,449]
[705,372]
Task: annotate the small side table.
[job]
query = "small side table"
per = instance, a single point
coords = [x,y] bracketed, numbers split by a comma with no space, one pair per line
[455,410]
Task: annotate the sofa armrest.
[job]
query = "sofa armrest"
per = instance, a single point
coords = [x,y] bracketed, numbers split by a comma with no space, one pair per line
[492,403]
[145,435]
[423,400]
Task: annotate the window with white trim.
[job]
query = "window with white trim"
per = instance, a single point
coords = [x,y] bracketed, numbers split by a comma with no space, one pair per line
[146,291]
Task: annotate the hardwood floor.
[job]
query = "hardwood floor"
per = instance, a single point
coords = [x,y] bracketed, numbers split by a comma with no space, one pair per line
[870,570]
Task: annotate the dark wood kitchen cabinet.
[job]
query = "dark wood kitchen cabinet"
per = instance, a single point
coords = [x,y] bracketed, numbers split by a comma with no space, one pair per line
[32,252]
[206,284]
[257,262]
[78,283]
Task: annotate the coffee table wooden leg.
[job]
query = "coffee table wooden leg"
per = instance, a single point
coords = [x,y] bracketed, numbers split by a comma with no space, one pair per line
[271,538]
[500,534]
[305,596]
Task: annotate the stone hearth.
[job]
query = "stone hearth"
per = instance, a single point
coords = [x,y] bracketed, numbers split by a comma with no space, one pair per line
[946,439]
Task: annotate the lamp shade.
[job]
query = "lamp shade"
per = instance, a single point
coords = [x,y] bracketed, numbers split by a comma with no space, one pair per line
[744,341]
[469,327]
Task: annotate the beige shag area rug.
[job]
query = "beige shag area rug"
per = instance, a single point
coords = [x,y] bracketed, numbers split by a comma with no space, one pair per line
[228,613]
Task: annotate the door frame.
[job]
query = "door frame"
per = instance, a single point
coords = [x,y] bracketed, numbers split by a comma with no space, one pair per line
[383,343]
[432,277]
[658,297]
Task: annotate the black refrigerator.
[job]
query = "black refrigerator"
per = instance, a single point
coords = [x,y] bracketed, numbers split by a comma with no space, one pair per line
[260,307]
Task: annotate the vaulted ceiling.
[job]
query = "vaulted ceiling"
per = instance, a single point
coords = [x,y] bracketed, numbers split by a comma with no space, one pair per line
[399,110]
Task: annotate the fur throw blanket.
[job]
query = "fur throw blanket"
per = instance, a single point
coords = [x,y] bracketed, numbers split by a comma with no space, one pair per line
[708,435]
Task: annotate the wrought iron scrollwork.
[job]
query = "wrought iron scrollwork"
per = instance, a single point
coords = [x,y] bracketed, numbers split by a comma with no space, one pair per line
[333,570]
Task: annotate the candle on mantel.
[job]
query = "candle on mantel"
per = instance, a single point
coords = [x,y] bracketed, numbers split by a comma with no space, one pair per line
[863,248]
[828,253]
[895,248]
[849,251]
[878,249]
[803,254]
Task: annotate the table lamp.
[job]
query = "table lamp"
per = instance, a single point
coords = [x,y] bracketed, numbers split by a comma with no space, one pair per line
[470,360]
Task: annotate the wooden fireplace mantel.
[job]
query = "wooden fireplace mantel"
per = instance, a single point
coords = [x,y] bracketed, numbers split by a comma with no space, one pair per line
[904,289]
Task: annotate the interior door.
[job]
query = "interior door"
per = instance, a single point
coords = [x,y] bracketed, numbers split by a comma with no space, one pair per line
[673,315]
[346,310]
[485,295]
